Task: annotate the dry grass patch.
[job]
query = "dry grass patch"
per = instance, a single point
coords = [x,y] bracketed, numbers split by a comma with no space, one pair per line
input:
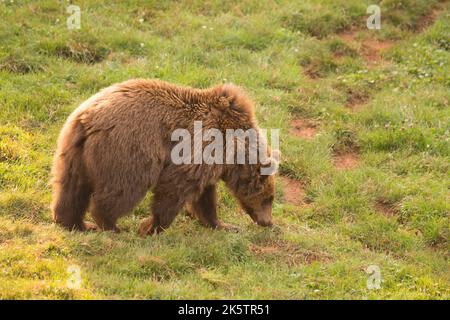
[290,253]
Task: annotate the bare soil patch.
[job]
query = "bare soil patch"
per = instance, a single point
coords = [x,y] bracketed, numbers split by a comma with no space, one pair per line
[303,128]
[384,208]
[373,49]
[293,191]
[346,161]
[428,19]
[370,49]
[356,100]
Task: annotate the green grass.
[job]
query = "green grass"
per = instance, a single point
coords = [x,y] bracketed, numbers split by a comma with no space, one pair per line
[290,58]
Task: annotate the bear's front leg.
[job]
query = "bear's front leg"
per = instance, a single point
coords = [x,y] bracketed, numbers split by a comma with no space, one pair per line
[205,209]
[165,207]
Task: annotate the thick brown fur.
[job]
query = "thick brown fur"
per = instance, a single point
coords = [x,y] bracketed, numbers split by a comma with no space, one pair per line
[117,145]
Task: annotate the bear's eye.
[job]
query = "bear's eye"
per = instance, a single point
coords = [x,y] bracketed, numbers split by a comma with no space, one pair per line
[268,201]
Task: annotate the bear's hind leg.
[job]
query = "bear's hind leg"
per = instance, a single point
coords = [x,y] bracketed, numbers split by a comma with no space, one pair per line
[69,206]
[106,210]
[71,200]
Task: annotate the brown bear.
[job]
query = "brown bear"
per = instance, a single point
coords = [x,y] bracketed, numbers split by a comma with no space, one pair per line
[117,145]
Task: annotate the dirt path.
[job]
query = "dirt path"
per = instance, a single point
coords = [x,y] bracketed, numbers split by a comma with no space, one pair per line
[370,49]
[428,19]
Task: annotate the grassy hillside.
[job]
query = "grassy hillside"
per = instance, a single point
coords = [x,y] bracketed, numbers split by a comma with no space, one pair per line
[365,137]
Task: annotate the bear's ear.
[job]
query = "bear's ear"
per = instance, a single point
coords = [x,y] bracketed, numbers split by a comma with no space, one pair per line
[233,97]
[224,103]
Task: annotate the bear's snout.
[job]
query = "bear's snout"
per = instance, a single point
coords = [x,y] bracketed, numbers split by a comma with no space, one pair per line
[264,217]
[265,223]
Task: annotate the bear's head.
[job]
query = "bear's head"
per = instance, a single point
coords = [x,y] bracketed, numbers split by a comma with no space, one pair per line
[258,204]
[252,184]
[254,191]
